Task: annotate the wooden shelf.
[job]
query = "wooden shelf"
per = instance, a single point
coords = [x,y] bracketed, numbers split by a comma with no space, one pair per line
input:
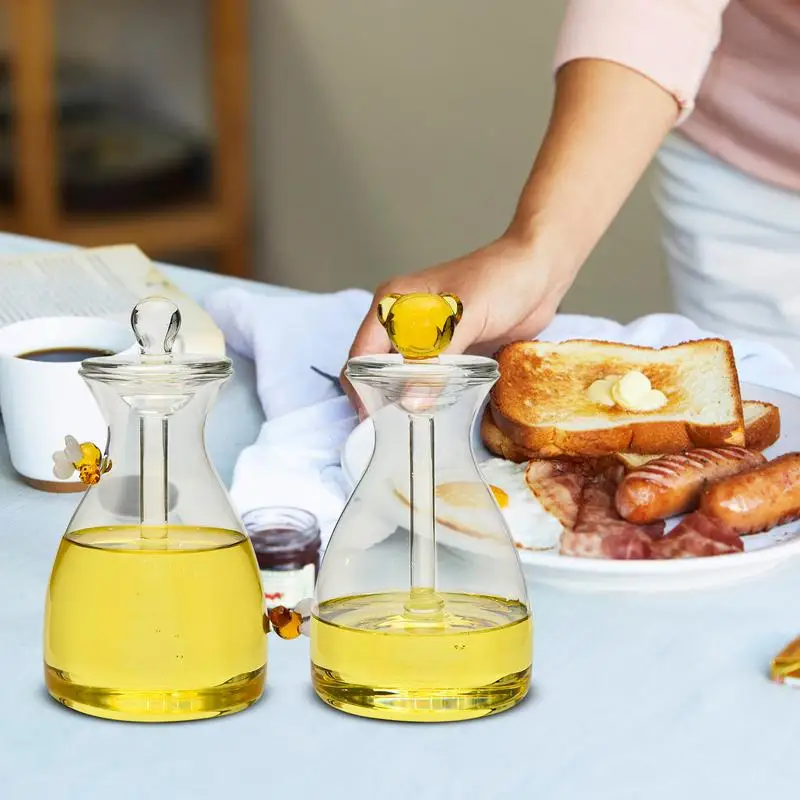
[221,224]
[190,227]
[187,227]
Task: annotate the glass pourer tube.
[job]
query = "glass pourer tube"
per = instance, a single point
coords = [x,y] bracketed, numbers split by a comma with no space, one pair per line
[153,477]
[165,318]
[420,326]
[422,599]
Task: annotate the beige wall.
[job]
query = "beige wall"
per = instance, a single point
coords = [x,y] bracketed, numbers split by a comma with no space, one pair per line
[389,134]
[396,133]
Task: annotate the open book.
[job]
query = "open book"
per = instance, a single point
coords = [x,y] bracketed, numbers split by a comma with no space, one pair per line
[99,282]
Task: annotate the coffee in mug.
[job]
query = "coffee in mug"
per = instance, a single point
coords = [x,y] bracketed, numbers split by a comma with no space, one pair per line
[60,355]
[42,396]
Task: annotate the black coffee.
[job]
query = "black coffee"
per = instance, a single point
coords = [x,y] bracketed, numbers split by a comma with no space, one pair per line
[61,355]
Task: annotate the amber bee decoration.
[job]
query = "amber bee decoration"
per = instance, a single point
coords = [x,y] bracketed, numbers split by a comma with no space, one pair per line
[289,623]
[786,665]
[86,458]
[420,325]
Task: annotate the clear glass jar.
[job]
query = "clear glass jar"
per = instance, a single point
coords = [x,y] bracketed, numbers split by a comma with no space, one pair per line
[154,608]
[421,610]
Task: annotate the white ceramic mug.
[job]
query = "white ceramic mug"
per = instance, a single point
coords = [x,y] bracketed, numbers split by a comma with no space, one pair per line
[42,401]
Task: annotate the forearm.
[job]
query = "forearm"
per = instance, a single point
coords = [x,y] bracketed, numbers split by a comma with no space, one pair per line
[606,125]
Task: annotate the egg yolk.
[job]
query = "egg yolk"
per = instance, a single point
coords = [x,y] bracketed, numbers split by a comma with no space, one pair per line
[500,496]
[467,494]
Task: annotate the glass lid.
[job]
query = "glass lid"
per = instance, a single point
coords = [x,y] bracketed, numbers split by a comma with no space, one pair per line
[465,370]
[156,322]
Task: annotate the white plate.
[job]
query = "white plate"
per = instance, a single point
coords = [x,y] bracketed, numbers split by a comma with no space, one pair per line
[762,552]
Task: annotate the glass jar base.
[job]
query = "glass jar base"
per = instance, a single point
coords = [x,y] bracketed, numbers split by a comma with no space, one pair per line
[418,704]
[157,706]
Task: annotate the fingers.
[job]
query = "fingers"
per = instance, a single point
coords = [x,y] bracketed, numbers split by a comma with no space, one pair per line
[370,339]
[352,395]
[466,333]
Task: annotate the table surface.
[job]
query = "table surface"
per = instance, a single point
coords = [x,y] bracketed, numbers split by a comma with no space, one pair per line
[634,696]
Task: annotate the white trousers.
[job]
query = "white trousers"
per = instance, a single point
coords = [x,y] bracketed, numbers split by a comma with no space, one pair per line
[732,247]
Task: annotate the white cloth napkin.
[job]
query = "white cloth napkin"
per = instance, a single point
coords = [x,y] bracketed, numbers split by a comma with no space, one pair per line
[296,459]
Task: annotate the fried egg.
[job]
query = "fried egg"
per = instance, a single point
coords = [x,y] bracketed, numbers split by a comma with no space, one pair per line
[462,505]
[466,506]
[532,528]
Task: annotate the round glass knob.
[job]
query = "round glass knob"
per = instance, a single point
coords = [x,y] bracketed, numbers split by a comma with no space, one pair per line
[156,322]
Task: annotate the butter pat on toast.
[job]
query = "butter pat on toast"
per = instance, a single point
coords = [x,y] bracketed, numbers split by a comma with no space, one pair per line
[541,401]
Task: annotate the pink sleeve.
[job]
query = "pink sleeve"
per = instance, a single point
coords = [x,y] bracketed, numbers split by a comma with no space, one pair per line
[669,41]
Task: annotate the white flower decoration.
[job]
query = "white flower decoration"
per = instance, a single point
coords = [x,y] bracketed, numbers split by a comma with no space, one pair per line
[64,461]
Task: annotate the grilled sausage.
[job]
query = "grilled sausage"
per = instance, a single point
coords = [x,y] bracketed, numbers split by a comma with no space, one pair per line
[673,484]
[759,500]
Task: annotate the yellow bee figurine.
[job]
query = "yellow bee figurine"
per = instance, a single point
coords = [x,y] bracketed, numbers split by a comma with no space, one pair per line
[420,325]
[86,458]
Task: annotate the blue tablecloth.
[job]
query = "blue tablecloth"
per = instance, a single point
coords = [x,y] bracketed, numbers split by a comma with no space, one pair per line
[661,697]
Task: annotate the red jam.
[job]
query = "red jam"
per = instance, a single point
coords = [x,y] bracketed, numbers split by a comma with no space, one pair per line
[287,545]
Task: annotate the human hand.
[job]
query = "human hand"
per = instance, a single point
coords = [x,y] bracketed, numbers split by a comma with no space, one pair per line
[508,292]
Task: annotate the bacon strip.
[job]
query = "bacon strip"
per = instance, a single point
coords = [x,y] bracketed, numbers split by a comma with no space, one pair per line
[600,532]
[698,536]
[557,485]
[580,496]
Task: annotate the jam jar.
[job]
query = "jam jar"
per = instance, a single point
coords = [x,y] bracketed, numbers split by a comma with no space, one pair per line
[287,543]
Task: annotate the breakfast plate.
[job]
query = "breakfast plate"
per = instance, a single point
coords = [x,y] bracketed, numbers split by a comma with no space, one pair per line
[762,551]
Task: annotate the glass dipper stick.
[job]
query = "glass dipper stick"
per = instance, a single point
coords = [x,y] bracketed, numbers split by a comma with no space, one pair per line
[421,326]
[153,484]
[422,539]
[155,322]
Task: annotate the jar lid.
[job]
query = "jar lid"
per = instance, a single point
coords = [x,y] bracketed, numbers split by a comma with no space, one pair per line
[281,530]
[156,322]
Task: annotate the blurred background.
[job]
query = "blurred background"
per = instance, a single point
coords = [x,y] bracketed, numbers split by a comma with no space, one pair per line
[312,143]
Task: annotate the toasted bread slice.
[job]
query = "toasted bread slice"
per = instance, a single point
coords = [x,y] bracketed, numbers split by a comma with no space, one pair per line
[497,443]
[762,424]
[762,428]
[541,404]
